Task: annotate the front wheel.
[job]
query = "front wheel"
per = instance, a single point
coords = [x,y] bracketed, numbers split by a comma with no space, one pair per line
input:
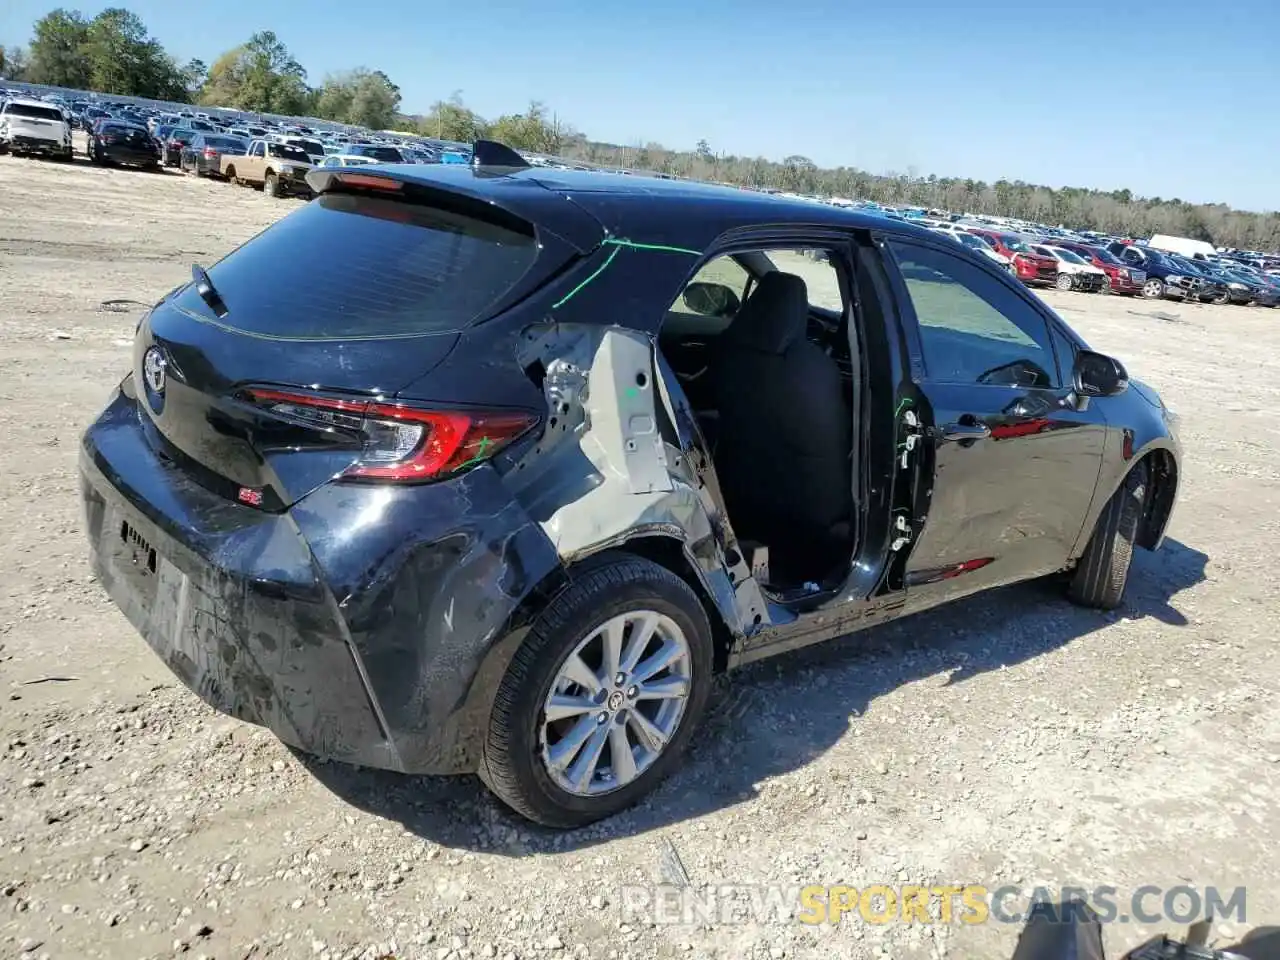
[603,696]
[1100,577]
[1064,282]
[271,186]
[1153,289]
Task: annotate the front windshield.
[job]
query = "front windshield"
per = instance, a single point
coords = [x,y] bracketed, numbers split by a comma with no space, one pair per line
[285,151]
[969,240]
[1106,256]
[1014,243]
[1068,256]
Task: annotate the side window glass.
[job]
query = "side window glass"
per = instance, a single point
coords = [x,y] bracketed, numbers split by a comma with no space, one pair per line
[973,329]
[817,271]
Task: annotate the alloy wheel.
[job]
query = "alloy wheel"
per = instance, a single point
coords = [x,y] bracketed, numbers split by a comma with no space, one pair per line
[615,703]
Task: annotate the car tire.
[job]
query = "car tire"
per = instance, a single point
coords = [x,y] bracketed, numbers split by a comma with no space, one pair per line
[1103,570]
[1153,288]
[517,761]
[1064,282]
[1106,286]
[271,185]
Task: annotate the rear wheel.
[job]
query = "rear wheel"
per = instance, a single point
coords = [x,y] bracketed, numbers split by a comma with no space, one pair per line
[1100,577]
[1153,289]
[601,699]
[1064,282]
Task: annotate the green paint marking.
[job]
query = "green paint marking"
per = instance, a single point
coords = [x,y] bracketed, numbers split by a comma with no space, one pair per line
[658,247]
[481,446]
[576,290]
[618,244]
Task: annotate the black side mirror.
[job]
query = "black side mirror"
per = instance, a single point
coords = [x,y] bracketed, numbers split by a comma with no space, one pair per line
[711,299]
[1098,375]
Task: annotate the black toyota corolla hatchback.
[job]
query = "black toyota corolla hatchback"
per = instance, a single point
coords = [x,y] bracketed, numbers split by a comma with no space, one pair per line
[490,469]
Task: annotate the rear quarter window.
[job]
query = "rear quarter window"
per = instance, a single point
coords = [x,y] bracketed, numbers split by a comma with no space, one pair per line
[353,266]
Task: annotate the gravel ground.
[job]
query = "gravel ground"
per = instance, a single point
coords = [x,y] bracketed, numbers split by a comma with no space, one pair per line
[1010,738]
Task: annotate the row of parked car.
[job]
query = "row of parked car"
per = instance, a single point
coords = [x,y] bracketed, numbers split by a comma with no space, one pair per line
[275,155]
[126,132]
[1095,263]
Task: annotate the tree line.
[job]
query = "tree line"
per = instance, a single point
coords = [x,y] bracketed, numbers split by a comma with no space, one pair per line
[113,53]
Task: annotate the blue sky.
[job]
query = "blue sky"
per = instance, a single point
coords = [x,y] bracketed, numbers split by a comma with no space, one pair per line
[1170,98]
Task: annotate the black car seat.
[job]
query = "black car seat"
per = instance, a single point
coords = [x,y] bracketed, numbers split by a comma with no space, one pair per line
[783,456]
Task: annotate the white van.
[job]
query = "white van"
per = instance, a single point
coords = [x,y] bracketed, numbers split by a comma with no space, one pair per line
[32,126]
[1184,246]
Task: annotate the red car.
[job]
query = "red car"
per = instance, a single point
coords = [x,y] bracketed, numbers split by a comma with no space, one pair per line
[1121,276]
[1029,266]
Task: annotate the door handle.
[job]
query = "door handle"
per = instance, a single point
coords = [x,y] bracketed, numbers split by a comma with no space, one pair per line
[963,430]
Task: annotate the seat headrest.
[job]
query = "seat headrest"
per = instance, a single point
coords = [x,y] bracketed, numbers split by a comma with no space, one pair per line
[775,316]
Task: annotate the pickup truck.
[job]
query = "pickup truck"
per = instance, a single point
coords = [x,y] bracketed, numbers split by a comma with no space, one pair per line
[280,169]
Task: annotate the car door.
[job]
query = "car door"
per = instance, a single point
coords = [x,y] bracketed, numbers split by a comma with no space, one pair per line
[1014,459]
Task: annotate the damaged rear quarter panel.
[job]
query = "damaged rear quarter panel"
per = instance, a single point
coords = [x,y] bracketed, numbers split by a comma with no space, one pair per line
[622,458]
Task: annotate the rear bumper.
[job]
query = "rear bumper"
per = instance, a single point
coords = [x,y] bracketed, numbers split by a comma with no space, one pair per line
[118,154]
[367,643]
[39,145]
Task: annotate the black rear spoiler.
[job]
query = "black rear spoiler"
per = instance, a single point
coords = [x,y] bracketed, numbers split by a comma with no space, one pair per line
[502,187]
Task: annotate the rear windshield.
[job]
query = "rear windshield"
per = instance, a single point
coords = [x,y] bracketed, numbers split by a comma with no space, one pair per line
[349,266]
[385,154]
[286,151]
[31,110]
[225,143]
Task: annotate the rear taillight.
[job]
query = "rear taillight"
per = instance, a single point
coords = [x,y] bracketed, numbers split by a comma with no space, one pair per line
[404,443]
[210,153]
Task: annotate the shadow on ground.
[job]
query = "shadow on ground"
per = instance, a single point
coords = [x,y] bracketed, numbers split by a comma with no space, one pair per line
[775,716]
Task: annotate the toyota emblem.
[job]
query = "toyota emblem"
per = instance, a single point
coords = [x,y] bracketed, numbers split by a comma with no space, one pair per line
[153,369]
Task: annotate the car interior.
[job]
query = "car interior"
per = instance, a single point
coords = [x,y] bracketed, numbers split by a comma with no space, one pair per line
[764,358]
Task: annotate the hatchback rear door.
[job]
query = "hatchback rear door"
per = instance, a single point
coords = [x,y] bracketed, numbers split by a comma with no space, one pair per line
[345,301]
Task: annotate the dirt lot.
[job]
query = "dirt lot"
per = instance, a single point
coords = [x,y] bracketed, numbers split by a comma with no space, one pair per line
[1009,739]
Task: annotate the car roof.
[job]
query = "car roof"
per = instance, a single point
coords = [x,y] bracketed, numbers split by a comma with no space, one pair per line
[683,210]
